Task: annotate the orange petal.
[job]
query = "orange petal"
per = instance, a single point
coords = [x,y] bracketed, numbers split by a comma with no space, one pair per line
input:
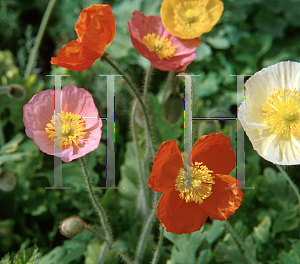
[215,152]
[70,57]
[101,30]
[167,165]
[177,215]
[223,202]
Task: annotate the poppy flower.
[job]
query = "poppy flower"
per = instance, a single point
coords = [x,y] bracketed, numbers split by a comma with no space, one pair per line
[190,19]
[270,115]
[183,210]
[165,51]
[95,28]
[78,137]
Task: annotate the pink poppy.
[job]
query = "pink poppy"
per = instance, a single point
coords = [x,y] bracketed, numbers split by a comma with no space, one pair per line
[78,136]
[165,51]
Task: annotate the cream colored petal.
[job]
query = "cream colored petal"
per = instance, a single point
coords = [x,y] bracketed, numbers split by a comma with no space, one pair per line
[274,148]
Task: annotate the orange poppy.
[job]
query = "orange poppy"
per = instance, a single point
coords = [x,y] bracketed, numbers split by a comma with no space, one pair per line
[95,28]
[183,210]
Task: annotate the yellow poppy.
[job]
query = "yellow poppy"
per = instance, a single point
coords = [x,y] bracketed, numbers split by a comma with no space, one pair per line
[190,19]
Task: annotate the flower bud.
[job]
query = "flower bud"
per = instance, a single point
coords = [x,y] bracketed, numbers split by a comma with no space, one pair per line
[173,107]
[8,180]
[72,226]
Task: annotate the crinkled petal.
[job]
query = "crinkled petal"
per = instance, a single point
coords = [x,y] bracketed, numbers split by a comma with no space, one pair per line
[223,202]
[177,215]
[71,57]
[95,28]
[215,152]
[167,165]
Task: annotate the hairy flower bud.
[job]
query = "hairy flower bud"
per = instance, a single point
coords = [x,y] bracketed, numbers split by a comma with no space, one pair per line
[173,107]
[72,226]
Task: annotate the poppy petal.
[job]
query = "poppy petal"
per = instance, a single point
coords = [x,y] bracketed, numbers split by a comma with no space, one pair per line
[71,57]
[223,202]
[215,152]
[177,215]
[167,165]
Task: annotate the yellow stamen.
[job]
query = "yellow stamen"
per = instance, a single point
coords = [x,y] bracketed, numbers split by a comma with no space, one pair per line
[282,112]
[190,15]
[162,47]
[201,178]
[66,130]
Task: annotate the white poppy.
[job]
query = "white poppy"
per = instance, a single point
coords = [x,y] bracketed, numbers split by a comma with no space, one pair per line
[270,115]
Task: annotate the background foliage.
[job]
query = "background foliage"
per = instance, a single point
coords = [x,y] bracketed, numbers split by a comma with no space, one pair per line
[251,34]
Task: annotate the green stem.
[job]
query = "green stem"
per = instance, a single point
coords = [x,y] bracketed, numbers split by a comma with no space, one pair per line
[251,259]
[2,139]
[98,235]
[147,81]
[286,176]
[141,173]
[137,94]
[97,205]
[146,229]
[159,246]
[38,39]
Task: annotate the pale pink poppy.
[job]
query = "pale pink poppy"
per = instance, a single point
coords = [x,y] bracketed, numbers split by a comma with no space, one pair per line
[78,136]
[165,51]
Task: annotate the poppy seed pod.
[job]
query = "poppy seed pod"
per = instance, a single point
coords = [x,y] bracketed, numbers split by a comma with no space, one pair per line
[173,107]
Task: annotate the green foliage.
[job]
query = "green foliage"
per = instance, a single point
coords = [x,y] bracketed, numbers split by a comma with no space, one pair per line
[25,256]
[251,34]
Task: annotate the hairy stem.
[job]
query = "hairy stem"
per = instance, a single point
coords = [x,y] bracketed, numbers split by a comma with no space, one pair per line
[99,236]
[159,246]
[146,229]
[95,202]
[137,94]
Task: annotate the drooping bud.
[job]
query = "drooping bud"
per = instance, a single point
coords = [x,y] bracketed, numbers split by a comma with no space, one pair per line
[15,91]
[8,180]
[173,107]
[72,226]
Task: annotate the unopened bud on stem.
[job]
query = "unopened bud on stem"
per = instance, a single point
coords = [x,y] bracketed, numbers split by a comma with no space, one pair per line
[72,226]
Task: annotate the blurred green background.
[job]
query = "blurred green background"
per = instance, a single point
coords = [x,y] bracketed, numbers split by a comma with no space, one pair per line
[251,34]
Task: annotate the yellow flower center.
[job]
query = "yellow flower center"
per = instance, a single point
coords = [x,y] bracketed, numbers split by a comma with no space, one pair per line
[282,112]
[190,16]
[72,127]
[162,47]
[201,179]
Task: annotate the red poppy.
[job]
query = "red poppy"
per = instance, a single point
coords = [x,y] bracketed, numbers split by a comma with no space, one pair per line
[186,210]
[95,28]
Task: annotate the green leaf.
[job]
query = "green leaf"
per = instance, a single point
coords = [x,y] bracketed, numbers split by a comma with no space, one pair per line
[286,221]
[185,246]
[207,84]
[229,252]
[214,231]
[12,145]
[6,259]
[163,130]
[293,256]
[92,252]
[203,51]
[27,256]
[129,172]
[262,231]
